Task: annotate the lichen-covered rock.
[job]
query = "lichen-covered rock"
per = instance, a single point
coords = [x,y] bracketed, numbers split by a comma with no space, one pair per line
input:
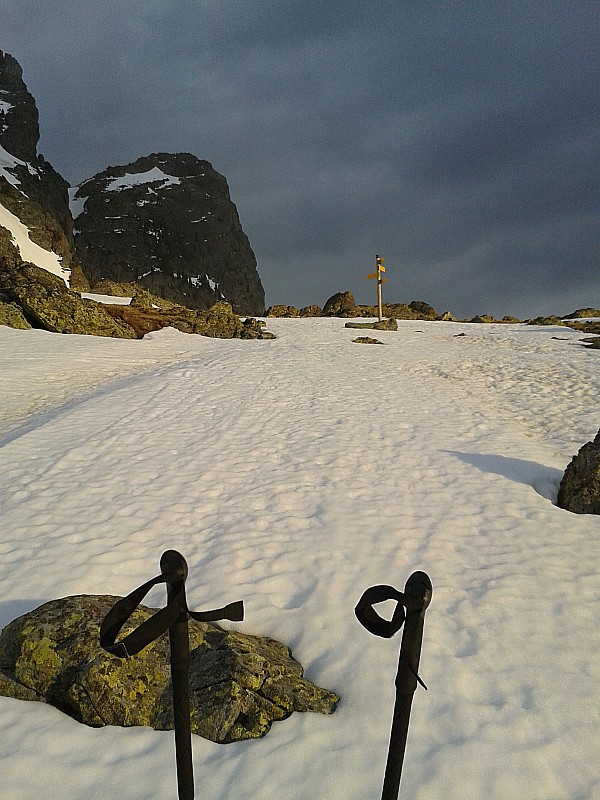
[282,311]
[311,311]
[115,289]
[581,313]
[382,325]
[593,342]
[11,315]
[48,303]
[340,304]
[485,319]
[551,320]
[579,489]
[366,340]
[239,684]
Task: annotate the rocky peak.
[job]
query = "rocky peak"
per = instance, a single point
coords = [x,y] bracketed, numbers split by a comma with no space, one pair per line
[167,222]
[19,130]
[30,188]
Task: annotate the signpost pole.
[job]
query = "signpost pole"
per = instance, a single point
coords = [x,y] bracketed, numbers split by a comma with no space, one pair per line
[380,281]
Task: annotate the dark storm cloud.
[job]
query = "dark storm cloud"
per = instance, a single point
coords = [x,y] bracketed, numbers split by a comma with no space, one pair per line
[459,140]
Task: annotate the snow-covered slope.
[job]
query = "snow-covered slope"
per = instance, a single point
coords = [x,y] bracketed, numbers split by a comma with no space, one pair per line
[294,474]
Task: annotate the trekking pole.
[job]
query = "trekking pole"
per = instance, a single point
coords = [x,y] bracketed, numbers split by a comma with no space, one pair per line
[415,599]
[174,618]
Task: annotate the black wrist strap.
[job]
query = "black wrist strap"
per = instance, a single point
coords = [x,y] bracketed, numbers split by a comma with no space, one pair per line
[158,623]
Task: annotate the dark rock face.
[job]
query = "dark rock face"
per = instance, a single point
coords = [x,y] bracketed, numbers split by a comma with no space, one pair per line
[167,222]
[239,684]
[579,489]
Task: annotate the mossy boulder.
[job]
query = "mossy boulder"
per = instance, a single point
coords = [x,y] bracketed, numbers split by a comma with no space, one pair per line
[311,311]
[282,311]
[11,314]
[366,340]
[341,304]
[382,325]
[47,303]
[239,684]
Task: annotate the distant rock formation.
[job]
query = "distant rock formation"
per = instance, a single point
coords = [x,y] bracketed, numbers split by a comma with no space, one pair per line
[167,223]
[239,684]
[579,489]
[582,313]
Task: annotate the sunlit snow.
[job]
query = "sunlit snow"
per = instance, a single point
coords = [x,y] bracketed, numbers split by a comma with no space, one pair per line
[293,474]
[153,175]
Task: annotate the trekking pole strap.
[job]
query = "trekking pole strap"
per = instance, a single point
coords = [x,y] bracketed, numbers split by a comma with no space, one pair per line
[159,622]
[372,621]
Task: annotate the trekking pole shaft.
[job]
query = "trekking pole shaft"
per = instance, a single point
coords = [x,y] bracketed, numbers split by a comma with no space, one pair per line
[180,660]
[395,759]
[417,586]
[174,562]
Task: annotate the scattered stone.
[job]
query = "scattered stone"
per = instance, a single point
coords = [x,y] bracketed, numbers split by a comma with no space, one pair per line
[446,317]
[383,325]
[340,305]
[239,684]
[581,313]
[579,489]
[592,343]
[282,311]
[311,311]
[510,320]
[424,310]
[458,335]
[483,319]
[551,320]
[366,340]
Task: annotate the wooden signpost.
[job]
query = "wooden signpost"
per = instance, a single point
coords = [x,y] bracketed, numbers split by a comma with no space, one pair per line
[380,280]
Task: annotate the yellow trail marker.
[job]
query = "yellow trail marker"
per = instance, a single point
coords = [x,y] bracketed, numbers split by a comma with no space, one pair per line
[373,275]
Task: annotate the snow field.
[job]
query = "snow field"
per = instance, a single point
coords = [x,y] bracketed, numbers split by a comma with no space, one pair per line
[293,474]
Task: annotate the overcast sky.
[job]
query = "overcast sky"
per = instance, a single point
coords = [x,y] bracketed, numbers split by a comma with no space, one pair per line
[459,140]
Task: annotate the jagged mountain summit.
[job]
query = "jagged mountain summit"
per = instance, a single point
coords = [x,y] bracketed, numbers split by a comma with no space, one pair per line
[167,222]
[32,193]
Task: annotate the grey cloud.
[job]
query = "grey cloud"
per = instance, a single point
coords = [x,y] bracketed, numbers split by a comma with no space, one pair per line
[460,140]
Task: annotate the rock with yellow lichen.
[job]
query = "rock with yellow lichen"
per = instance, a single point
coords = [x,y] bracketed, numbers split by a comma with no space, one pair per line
[239,684]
